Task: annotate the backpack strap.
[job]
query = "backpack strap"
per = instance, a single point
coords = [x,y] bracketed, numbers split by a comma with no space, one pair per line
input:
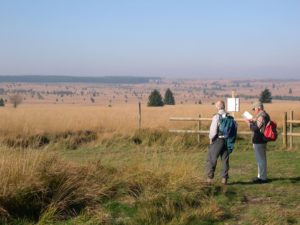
[220,117]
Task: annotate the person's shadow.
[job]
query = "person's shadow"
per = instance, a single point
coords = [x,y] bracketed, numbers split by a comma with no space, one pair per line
[289,179]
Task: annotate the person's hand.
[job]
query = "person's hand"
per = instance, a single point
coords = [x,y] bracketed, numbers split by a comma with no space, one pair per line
[248,121]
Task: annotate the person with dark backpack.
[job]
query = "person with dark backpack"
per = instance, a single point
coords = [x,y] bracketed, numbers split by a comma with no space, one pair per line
[222,135]
[264,130]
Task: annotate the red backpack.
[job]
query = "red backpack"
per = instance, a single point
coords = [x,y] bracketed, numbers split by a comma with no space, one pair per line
[270,131]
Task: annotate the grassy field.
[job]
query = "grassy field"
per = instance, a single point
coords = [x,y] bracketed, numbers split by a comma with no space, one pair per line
[148,183]
[122,119]
[89,165]
[186,91]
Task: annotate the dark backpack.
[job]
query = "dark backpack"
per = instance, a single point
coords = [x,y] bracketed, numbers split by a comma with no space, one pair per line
[227,129]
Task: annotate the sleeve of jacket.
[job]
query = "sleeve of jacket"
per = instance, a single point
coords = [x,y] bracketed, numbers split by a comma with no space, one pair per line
[213,130]
[257,125]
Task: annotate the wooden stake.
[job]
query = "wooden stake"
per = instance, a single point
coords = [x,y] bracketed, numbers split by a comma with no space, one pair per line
[291,128]
[284,126]
[233,96]
[199,128]
[140,116]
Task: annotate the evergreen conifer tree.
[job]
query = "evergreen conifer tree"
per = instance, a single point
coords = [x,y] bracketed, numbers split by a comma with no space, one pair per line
[155,99]
[265,96]
[169,98]
[2,103]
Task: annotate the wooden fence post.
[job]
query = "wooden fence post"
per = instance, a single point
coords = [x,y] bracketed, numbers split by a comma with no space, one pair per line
[291,128]
[199,128]
[233,96]
[284,126]
[140,116]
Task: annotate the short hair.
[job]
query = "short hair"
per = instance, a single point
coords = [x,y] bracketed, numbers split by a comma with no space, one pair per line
[220,104]
[258,105]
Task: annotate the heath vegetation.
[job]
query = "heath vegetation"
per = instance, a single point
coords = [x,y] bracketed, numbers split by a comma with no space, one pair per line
[72,164]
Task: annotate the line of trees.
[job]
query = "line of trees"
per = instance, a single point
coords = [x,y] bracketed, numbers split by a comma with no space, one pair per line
[155,98]
[75,79]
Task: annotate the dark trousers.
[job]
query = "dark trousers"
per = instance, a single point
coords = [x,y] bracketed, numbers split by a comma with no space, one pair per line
[216,149]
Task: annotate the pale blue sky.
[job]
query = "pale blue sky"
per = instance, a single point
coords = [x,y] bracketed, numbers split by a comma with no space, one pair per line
[151,38]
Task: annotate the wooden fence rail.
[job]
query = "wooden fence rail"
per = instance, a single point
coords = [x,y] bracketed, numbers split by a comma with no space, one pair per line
[285,134]
[199,131]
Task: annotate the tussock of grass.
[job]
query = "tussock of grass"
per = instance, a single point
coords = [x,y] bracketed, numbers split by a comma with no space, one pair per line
[72,140]
[26,142]
[39,187]
[161,137]
[36,182]
[69,140]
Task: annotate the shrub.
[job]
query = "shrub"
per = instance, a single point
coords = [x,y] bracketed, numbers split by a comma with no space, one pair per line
[16,100]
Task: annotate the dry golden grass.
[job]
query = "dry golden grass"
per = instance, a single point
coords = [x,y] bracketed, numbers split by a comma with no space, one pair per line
[36,184]
[52,188]
[123,119]
[18,169]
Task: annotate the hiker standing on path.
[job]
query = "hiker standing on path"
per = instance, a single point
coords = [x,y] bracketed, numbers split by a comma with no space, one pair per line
[257,126]
[221,143]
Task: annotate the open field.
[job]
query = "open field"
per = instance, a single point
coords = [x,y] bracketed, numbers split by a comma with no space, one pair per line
[114,174]
[112,112]
[89,164]
[186,91]
[120,119]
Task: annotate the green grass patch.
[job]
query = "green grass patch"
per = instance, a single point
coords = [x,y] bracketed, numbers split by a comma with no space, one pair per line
[152,181]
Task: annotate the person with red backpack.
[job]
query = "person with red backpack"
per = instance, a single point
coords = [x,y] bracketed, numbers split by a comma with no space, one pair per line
[258,125]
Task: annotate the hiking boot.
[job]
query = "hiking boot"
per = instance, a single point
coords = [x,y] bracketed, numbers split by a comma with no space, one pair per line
[257,180]
[224,181]
[209,180]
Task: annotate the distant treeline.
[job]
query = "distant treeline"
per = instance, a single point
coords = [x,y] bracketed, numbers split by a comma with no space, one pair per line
[284,97]
[73,79]
[276,97]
